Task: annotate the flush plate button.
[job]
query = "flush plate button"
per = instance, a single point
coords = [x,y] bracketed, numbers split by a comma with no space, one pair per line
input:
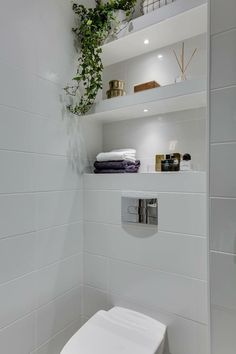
[137,210]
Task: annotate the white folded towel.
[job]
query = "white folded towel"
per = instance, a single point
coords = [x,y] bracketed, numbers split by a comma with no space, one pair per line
[116,156]
[128,151]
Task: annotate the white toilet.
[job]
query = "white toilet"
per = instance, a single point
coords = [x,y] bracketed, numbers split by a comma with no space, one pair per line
[118,331]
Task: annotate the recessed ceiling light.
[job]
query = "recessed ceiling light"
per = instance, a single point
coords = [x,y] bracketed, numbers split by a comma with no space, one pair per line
[160,56]
[146,41]
[146,110]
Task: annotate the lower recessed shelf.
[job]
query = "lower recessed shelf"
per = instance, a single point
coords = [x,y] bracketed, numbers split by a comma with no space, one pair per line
[185,95]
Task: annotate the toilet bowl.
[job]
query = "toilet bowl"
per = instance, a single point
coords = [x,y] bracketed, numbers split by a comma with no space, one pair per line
[118,331]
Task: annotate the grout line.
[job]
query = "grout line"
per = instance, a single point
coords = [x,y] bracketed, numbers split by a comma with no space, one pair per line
[218,34]
[222,88]
[77,286]
[146,267]
[37,270]
[223,253]
[43,154]
[225,309]
[158,230]
[133,301]
[41,229]
[33,192]
[56,334]
[215,197]
[38,115]
[230,142]
[34,311]
[119,191]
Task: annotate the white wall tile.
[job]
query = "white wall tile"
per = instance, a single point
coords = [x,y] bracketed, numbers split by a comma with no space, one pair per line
[223,225]
[60,70]
[222,15]
[223,52]
[96,271]
[58,208]
[19,337]
[16,133]
[58,314]
[57,279]
[174,253]
[17,256]
[16,173]
[102,206]
[17,299]
[57,243]
[159,290]
[94,300]
[223,286]
[49,136]
[17,214]
[55,173]
[56,344]
[223,181]
[223,331]
[17,34]
[183,213]
[223,110]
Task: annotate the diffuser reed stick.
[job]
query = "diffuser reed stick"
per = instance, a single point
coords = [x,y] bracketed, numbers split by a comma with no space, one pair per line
[181,61]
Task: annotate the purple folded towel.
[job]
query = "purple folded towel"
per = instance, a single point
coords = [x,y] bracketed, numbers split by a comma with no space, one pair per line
[134,170]
[116,165]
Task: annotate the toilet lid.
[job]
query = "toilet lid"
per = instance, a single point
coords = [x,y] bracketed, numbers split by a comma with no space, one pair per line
[118,331]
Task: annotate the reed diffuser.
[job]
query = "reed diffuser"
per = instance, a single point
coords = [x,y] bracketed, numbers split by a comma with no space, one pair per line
[183,62]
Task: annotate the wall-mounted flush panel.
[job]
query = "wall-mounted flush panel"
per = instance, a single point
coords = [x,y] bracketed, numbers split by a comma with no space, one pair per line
[139,209]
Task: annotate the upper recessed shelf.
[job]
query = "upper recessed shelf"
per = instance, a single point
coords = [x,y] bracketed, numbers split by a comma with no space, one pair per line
[185,95]
[170,24]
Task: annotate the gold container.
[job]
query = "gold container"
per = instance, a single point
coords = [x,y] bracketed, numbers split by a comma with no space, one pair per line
[115,93]
[159,158]
[116,84]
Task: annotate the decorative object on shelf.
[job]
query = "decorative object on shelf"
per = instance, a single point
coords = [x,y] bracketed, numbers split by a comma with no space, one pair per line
[168,162]
[151,5]
[95,25]
[146,86]
[186,164]
[116,89]
[117,84]
[158,159]
[183,63]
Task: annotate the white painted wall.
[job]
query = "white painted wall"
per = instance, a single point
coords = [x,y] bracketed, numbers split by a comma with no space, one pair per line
[41,194]
[223,176]
[161,273]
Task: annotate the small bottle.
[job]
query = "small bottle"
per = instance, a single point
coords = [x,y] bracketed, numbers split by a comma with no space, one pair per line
[185,164]
[167,164]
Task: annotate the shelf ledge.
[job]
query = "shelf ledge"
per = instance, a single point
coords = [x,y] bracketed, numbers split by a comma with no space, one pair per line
[170,24]
[182,96]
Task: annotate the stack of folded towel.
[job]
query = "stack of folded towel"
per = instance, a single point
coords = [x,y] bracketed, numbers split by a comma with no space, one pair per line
[117,161]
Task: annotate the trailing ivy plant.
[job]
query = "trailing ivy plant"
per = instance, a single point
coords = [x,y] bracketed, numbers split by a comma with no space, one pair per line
[95,25]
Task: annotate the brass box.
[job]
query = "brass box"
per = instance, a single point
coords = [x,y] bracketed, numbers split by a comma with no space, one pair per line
[146,86]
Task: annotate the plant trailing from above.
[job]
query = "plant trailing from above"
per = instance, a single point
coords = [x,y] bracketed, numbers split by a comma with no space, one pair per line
[95,25]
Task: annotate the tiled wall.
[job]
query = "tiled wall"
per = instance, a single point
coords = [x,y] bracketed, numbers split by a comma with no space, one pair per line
[40,190]
[223,176]
[161,273]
